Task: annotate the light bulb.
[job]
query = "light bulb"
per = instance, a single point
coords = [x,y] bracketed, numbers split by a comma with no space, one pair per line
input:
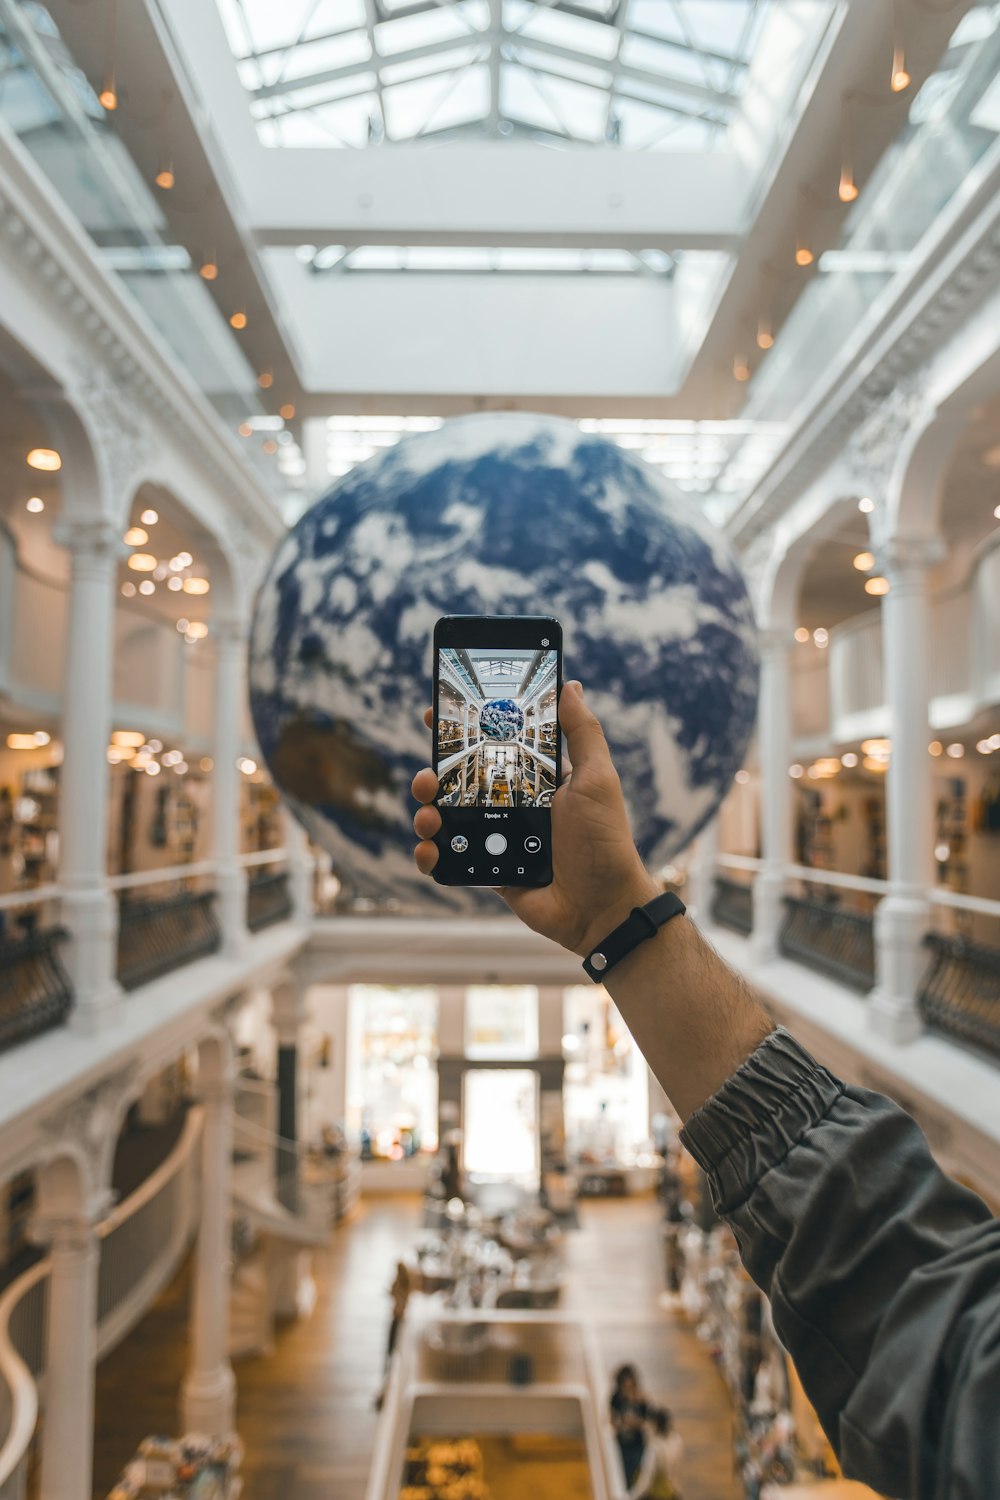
[165,177]
[265,380]
[142,562]
[865,505]
[238,320]
[803,255]
[108,97]
[149,517]
[802,634]
[877,586]
[35,504]
[847,191]
[741,370]
[208,270]
[864,562]
[44,458]
[286,412]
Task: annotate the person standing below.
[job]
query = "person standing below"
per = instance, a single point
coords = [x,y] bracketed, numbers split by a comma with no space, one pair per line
[629,1410]
[661,1460]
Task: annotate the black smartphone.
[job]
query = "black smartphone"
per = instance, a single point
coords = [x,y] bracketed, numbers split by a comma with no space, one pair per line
[497,747]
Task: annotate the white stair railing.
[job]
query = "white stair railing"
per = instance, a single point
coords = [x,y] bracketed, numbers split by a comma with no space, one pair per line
[142,1243]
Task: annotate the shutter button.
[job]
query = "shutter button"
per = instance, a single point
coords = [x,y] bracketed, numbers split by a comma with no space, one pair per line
[496,843]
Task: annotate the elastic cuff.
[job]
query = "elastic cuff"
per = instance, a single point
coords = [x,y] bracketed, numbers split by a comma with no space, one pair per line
[757,1116]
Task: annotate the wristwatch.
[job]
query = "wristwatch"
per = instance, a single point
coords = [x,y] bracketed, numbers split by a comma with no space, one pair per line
[641,923]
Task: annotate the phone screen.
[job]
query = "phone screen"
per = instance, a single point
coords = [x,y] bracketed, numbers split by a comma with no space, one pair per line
[497,747]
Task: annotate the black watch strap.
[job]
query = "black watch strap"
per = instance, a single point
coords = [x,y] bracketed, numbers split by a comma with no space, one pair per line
[642,922]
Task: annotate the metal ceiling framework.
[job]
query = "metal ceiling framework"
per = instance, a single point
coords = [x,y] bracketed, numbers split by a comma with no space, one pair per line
[644,74]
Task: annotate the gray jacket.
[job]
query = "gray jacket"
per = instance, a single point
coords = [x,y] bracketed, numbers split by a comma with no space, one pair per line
[883,1274]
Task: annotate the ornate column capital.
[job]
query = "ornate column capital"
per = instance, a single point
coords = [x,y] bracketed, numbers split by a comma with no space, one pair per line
[94,544]
[906,560]
[874,448]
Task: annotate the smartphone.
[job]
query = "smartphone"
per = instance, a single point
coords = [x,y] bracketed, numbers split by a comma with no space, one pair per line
[497,747]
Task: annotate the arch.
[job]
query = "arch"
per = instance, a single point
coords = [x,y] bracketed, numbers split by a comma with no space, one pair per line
[916,490]
[818,516]
[163,490]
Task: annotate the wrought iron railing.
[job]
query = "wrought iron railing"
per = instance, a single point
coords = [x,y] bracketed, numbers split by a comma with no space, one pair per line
[732,905]
[832,939]
[35,990]
[960,993]
[155,937]
[268,898]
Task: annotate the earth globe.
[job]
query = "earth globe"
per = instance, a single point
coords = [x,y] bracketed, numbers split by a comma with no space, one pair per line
[501,719]
[499,513]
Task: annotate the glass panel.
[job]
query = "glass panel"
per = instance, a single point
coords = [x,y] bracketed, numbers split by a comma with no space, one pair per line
[606,1089]
[578,72]
[572,32]
[500,1117]
[501,1021]
[331,52]
[391,1060]
[429,27]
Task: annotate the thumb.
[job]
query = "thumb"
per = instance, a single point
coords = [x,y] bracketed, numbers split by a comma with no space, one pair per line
[585,740]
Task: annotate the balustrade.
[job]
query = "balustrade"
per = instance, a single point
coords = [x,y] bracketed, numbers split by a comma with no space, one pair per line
[269,898]
[960,992]
[830,938]
[732,905]
[35,990]
[157,936]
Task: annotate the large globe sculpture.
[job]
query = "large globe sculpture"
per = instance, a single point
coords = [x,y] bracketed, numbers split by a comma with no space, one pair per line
[497,514]
[501,719]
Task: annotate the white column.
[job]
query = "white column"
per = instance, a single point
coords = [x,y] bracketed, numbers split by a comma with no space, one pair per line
[208,1393]
[90,912]
[451,1020]
[301,868]
[701,874]
[902,917]
[231,882]
[774,741]
[71,1352]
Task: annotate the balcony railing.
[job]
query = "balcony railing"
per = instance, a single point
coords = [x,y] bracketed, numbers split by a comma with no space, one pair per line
[960,993]
[35,990]
[732,905]
[269,899]
[830,938]
[164,922]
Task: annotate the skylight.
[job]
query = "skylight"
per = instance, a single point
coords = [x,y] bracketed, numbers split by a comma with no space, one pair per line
[641,74]
[724,458]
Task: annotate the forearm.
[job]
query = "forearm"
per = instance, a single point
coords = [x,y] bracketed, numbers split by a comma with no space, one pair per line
[694,1020]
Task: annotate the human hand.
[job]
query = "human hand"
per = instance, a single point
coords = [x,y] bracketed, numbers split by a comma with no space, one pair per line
[597,875]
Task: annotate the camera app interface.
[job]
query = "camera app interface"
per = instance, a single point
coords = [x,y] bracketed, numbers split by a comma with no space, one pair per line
[497,729]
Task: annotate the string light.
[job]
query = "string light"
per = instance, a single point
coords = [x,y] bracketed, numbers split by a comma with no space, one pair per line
[741,370]
[864,562]
[849,761]
[238,319]
[847,190]
[935,747]
[803,255]
[209,269]
[865,505]
[265,380]
[135,537]
[765,338]
[35,504]
[821,638]
[175,584]
[877,586]
[128,589]
[270,446]
[149,518]
[128,739]
[165,177]
[795,772]
[108,97]
[245,430]
[956,751]
[287,411]
[142,562]
[802,634]
[195,585]
[147,586]
[996,512]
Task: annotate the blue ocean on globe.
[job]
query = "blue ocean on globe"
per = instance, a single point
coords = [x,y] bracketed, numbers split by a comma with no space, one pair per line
[501,719]
[500,513]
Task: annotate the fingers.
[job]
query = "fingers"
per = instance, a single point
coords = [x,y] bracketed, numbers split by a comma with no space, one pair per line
[426,822]
[429,717]
[424,785]
[585,740]
[426,855]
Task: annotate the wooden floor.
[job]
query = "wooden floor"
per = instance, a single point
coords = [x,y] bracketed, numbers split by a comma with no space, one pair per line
[306,1412]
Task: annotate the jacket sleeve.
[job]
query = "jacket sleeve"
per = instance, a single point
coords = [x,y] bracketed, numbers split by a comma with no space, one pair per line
[883,1273]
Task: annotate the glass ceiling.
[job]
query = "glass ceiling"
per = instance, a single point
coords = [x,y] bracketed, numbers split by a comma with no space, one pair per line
[640,74]
[723,459]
